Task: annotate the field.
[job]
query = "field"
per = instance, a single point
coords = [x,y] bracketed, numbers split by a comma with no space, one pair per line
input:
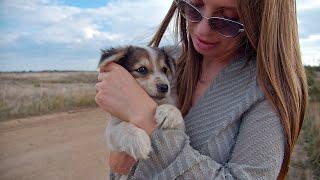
[30,95]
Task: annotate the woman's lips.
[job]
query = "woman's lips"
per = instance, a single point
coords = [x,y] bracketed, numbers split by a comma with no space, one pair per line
[205,45]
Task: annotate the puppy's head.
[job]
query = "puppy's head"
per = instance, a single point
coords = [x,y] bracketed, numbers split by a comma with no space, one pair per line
[150,66]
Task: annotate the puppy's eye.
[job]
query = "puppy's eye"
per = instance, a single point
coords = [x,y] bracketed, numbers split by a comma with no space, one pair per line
[142,70]
[165,70]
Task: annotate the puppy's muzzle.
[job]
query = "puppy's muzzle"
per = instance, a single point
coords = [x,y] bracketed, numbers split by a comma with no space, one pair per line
[162,88]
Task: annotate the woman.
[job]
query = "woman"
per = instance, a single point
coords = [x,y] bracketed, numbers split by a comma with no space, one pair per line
[241,88]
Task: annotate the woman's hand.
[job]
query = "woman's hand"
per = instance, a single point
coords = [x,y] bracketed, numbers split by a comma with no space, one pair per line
[119,94]
[120,162]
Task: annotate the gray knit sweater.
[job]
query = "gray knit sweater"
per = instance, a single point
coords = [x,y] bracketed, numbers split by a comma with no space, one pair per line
[231,133]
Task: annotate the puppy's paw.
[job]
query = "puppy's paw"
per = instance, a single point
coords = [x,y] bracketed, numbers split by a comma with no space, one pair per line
[139,145]
[168,116]
[127,137]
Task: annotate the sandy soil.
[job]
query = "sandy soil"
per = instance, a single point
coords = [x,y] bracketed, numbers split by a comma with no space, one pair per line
[61,146]
[71,145]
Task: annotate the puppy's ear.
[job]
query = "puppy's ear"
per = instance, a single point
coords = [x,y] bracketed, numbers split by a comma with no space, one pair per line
[111,55]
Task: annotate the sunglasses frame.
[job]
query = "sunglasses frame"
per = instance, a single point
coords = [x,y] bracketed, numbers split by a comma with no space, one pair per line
[208,18]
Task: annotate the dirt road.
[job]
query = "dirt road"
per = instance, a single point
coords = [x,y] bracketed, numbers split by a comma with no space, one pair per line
[71,146]
[60,146]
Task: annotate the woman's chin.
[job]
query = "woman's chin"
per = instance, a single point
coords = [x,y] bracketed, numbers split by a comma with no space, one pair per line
[210,53]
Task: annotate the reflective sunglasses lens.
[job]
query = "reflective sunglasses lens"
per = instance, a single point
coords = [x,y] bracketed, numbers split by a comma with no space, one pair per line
[225,27]
[189,12]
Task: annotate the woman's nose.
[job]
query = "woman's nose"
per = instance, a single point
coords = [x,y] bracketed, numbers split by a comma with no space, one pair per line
[203,28]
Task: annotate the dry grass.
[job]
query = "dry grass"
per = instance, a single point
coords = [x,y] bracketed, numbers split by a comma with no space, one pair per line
[311,133]
[27,94]
[305,161]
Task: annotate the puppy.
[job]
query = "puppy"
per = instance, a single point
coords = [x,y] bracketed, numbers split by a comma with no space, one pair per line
[154,70]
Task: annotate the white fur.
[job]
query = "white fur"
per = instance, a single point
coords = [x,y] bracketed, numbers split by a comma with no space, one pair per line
[152,53]
[169,117]
[123,136]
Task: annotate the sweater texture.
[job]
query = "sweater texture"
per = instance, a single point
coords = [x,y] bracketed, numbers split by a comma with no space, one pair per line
[232,132]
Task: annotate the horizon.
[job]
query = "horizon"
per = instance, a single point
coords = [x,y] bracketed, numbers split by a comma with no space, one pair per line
[65,35]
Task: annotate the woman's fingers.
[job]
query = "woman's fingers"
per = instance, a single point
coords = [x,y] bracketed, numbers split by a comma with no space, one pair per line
[106,71]
[103,76]
[109,67]
[98,86]
[101,85]
[102,101]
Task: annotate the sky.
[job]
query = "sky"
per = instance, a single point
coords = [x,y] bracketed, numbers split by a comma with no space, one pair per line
[69,34]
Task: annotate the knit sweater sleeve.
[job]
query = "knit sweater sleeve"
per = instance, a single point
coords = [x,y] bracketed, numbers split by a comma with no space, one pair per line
[257,153]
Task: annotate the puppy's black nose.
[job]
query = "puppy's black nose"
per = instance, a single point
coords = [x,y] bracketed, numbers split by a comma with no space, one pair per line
[162,88]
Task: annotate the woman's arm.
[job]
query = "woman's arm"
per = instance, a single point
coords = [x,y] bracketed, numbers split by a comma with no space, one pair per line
[257,154]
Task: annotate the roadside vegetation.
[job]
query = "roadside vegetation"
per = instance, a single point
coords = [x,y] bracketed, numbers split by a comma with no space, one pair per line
[35,93]
[305,162]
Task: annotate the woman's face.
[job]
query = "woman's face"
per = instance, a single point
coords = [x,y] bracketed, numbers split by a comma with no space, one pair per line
[206,41]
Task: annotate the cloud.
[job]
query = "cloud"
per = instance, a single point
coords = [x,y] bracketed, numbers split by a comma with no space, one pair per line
[310,49]
[303,5]
[311,38]
[43,21]
[59,32]
[51,33]
[309,30]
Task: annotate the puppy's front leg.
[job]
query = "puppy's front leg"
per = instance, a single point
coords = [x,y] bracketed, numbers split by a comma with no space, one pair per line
[168,116]
[127,137]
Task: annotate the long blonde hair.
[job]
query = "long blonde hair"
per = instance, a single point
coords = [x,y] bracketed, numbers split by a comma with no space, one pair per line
[272,36]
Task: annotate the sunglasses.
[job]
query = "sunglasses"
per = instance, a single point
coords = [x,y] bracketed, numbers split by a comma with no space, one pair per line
[225,27]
